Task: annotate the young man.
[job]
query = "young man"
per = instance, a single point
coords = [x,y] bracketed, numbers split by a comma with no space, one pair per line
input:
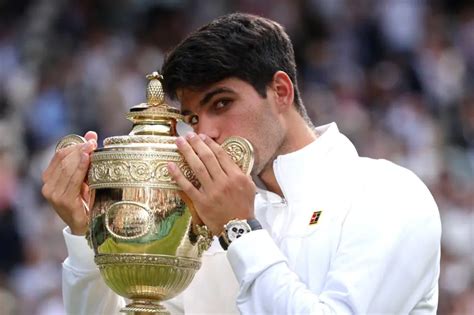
[341,233]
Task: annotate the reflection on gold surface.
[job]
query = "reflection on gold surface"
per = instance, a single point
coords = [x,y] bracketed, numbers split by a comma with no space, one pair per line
[140,226]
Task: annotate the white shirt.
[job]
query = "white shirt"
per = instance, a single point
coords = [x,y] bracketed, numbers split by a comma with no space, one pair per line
[374,250]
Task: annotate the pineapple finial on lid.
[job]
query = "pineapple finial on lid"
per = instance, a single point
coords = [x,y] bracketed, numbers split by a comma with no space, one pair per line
[155,95]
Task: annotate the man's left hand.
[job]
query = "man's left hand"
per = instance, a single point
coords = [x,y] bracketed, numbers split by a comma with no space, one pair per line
[226,192]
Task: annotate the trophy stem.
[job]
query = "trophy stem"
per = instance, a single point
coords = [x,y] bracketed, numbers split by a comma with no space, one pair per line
[145,307]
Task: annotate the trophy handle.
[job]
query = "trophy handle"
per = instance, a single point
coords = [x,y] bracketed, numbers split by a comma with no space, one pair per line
[241,151]
[68,141]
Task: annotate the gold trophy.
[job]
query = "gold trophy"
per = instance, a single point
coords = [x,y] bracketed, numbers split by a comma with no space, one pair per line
[146,246]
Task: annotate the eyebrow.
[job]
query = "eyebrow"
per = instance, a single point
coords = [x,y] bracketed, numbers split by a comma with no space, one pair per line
[214,92]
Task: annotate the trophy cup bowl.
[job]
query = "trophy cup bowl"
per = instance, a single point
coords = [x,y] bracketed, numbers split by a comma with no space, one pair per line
[140,226]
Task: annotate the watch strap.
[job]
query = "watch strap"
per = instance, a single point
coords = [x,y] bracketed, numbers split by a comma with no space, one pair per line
[254,224]
[223,241]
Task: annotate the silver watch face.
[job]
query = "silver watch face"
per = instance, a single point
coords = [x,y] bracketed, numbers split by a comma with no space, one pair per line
[236,229]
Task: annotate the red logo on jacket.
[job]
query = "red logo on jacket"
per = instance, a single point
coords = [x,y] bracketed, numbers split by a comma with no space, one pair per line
[315,217]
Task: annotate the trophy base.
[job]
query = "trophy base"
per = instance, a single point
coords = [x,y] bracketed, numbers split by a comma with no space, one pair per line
[145,307]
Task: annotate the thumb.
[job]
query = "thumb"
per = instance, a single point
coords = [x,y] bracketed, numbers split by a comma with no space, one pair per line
[91,135]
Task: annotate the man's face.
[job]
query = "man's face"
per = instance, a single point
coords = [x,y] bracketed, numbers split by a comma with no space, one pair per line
[232,107]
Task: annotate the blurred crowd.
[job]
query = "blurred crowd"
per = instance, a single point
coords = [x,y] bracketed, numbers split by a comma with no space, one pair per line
[396,75]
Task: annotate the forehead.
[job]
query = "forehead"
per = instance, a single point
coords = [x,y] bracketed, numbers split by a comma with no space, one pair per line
[194,98]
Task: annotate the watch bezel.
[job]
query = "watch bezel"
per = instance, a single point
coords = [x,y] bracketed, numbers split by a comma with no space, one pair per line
[252,225]
[232,235]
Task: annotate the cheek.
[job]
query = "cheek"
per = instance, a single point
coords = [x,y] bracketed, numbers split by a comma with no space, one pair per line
[266,139]
[236,125]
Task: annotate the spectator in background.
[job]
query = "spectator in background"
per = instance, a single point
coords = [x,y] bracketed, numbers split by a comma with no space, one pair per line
[328,35]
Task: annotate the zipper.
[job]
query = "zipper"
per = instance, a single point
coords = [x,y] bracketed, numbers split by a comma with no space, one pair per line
[276,170]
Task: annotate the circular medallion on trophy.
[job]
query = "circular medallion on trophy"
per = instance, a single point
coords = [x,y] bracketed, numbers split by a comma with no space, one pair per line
[128,220]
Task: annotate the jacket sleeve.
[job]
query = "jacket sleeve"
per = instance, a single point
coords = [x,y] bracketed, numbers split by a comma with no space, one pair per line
[386,261]
[84,291]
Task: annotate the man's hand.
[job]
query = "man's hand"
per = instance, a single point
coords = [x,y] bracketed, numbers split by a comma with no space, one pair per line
[64,186]
[226,192]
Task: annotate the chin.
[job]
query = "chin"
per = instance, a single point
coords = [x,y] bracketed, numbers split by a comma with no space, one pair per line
[258,168]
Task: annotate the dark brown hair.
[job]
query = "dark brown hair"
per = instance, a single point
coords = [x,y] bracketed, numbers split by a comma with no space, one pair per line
[244,46]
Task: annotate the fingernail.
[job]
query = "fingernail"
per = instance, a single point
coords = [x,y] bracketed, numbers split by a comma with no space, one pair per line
[190,135]
[180,141]
[202,136]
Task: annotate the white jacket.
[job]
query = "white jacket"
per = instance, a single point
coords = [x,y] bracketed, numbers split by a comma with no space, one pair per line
[374,250]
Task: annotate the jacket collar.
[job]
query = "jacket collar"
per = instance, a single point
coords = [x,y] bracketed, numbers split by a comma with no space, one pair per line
[299,170]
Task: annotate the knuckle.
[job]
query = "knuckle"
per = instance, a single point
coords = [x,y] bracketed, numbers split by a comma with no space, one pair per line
[206,155]
[63,166]
[242,178]
[44,176]
[238,180]
[45,192]
[74,186]
[221,153]
[61,154]
[66,170]
[55,198]
[187,187]
[228,187]
[176,175]
[214,195]
[185,147]
[200,170]
[193,140]
[83,167]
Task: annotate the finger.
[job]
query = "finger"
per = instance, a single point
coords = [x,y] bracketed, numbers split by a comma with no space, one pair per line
[66,171]
[57,158]
[91,136]
[187,187]
[89,146]
[195,216]
[226,162]
[59,166]
[50,188]
[194,162]
[206,155]
[73,189]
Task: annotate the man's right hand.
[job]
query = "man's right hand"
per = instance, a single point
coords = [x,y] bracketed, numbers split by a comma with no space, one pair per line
[64,183]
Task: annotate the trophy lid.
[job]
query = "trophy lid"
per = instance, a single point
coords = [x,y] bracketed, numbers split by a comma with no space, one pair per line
[154,122]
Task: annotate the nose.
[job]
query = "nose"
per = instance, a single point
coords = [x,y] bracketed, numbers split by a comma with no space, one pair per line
[208,127]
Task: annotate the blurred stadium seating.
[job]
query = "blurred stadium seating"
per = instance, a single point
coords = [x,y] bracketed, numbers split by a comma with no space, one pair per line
[397,76]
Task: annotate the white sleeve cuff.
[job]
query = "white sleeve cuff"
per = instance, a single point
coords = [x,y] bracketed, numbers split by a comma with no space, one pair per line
[80,255]
[252,254]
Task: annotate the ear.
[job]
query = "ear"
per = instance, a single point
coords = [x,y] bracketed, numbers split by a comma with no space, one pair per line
[282,88]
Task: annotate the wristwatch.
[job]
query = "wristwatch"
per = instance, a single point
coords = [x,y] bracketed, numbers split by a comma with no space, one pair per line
[235,229]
